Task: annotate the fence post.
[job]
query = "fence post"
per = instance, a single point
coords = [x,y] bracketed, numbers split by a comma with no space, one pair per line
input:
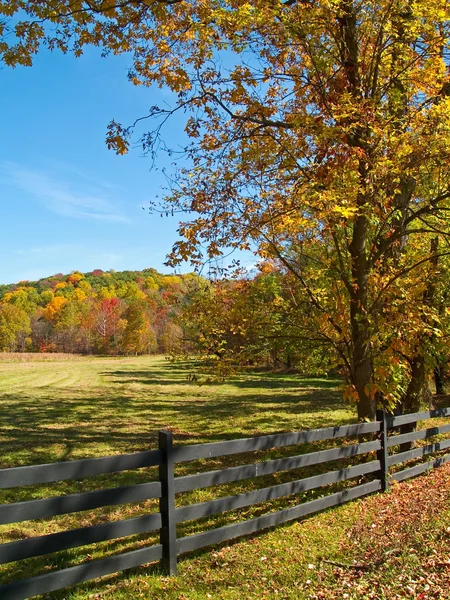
[168,533]
[382,454]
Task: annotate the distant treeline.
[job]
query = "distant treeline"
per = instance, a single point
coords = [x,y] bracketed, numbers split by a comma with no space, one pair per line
[257,320]
[128,312]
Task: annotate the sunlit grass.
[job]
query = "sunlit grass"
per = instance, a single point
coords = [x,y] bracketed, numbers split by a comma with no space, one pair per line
[60,409]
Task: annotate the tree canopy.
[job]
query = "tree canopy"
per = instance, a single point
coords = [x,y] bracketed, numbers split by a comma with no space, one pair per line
[125,312]
[319,137]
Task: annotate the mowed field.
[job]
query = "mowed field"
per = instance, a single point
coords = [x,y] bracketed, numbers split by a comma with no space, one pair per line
[63,407]
[56,408]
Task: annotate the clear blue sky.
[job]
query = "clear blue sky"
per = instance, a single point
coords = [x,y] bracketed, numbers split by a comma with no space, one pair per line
[67,203]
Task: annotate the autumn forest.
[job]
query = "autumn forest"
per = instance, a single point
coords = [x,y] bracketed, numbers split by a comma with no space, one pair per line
[318,138]
[93,313]
[312,138]
[245,321]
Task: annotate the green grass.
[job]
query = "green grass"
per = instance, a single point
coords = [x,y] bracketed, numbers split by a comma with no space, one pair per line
[69,409]
[65,408]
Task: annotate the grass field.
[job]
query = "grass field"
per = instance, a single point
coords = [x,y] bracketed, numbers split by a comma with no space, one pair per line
[64,408]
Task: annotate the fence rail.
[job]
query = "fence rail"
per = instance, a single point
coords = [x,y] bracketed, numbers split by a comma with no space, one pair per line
[77,469]
[372,474]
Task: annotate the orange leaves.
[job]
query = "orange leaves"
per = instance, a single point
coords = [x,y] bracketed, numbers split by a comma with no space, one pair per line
[350,394]
[53,309]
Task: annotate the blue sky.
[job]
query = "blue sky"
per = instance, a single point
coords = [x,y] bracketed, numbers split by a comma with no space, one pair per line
[67,203]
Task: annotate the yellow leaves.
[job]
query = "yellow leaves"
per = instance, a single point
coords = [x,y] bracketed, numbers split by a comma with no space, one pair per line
[174,75]
[348,212]
[75,278]
[150,284]
[106,293]
[79,295]
[53,308]
[292,223]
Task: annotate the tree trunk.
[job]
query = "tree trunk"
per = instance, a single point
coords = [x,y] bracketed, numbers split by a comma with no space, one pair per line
[362,369]
[362,376]
[361,362]
[439,379]
[417,394]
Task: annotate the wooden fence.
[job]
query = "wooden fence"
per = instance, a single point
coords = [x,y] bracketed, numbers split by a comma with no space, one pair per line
[383,439]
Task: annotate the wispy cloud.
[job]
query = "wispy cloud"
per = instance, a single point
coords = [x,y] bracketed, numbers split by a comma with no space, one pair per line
[76,196]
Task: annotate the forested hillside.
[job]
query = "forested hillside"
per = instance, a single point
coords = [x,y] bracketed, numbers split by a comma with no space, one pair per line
[251,320]
[128,312]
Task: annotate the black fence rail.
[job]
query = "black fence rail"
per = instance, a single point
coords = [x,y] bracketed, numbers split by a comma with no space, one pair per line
[376,449]
[422,451]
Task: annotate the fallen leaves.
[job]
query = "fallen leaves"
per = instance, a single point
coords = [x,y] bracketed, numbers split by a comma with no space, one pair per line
[399,546]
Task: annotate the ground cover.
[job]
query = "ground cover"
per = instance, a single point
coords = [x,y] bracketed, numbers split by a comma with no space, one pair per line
[92,406]
[391,546]
[64,409]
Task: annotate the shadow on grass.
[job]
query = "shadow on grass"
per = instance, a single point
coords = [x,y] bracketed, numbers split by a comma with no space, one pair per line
[271,381]
[154,570]
[114,582]
[280,382]
[123,415]
[38,432]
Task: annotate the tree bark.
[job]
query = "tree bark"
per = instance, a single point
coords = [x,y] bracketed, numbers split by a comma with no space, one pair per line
[417,395]
[362,363]
[439,379]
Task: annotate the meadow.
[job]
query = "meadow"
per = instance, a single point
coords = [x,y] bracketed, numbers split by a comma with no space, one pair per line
[74,407]
[56,408]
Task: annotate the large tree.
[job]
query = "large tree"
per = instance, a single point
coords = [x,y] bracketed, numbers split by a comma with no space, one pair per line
[319,137]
